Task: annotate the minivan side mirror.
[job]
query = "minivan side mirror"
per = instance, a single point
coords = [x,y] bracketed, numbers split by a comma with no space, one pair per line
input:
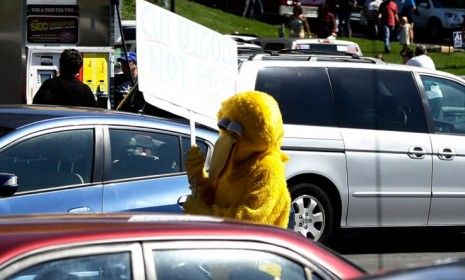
[8,184]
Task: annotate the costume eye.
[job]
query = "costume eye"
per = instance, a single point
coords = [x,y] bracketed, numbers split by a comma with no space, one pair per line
[223,123]
[235,128]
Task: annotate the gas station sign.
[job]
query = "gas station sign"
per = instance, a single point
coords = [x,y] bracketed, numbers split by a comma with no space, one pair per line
[52,24]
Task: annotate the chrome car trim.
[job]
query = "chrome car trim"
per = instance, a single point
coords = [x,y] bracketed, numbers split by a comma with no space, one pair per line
[165,175]
[391,194]
[382,152]
[308,149]
[449,194]
[59,188]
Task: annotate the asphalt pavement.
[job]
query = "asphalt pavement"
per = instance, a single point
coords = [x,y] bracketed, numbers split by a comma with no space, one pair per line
[386,249]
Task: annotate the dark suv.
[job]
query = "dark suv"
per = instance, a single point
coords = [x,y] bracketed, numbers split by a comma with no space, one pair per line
[371,144]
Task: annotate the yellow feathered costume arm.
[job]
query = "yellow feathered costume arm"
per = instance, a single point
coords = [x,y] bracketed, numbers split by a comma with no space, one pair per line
[202,189]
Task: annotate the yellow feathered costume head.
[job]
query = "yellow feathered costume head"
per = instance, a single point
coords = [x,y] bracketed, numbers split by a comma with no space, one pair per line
[250,123]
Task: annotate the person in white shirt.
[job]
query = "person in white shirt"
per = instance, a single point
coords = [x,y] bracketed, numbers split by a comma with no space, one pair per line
[405,33]
[421,58]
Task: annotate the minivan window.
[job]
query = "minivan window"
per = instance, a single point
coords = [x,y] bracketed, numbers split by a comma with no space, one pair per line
[377,99]
[303,93]
[446,100]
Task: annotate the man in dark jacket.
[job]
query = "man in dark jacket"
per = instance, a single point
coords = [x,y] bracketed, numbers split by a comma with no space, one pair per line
[66,89]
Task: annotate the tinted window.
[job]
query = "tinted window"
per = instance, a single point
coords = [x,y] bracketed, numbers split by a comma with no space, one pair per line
[141,153]
[108,266]
[274,46]
[446,100]
[377,99]
[51,160]
[230,264]
[303,94]
[129,33]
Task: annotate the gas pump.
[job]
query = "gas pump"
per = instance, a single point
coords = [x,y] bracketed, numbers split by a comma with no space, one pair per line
[43,63]
[47,27]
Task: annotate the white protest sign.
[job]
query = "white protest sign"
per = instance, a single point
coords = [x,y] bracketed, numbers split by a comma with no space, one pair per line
[183,66]
[457,37]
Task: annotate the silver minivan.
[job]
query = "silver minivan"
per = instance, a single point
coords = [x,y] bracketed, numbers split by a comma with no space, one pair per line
[370,144]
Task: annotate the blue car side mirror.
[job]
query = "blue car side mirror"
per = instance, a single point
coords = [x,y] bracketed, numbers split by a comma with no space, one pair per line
[8,184]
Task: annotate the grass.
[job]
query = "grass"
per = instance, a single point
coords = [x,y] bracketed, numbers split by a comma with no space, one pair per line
[452,62]
[226,23]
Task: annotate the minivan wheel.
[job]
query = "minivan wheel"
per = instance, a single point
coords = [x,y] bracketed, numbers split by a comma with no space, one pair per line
[312,213]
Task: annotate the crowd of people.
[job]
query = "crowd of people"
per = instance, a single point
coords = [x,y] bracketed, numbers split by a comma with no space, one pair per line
[333,20]
[385,19]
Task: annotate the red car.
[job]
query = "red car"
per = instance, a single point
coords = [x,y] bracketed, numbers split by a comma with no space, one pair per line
[137,246]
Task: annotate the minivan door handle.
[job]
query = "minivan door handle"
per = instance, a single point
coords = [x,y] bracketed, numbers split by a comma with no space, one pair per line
[446,154]
[416,152]
[81,210]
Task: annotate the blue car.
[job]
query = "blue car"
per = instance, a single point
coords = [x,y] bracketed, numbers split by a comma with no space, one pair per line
[81,160]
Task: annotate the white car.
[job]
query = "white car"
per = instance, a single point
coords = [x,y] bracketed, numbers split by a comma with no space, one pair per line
[322,46]
[439,15]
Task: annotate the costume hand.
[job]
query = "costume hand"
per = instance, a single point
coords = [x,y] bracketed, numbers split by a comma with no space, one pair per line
[195,205]
[195,162]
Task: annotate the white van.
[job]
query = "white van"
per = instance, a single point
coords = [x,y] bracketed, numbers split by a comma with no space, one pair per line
[370,144]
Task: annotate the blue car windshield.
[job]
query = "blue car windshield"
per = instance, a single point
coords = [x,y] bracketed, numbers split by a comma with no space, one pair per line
[449,4]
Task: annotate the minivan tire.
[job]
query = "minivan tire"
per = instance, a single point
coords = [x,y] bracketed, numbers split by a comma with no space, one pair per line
[312,213]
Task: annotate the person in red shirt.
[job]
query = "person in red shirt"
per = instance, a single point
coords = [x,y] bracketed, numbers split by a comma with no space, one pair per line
[389,19]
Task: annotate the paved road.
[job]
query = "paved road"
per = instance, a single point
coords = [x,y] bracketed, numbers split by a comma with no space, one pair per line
[390,249]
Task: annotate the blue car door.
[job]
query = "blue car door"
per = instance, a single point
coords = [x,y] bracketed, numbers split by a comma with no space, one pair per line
[55,173]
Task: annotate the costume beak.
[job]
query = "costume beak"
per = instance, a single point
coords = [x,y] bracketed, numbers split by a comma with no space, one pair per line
[223,148]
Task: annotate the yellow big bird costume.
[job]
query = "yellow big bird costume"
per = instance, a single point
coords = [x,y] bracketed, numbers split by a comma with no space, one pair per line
[246,179]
